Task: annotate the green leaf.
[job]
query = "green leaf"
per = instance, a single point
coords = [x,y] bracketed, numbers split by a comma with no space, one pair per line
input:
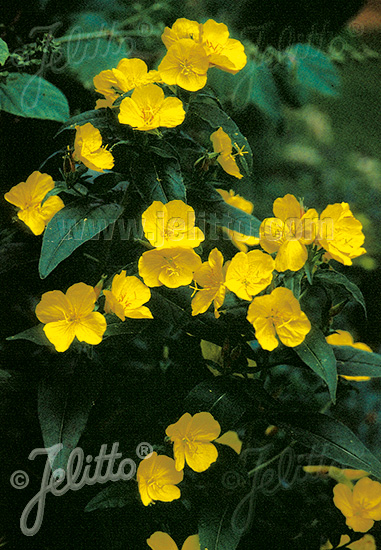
[255,84]
[35,334]
[318,355]
[158,179]
[70,228]
[330,438]
[216,529]
[357,362]
[33,97]
[208,110]
[101,118]
[333,278]
[219,213]
[129,326]
[119,494]
[65,399]
[87,58]
[311,70]
[4,52]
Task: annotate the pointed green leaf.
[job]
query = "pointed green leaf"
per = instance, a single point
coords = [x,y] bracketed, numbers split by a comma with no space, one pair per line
[70,228]
[65,399]
[216,529]
[333,278]
[328,437]
[311,70]
[35,334]
[119,494]
[34,97]
[357,362]
[318,355]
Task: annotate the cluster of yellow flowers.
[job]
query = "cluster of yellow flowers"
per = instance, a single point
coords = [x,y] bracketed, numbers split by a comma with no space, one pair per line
[359,503]
[192,436]
[292,228]
[71,315]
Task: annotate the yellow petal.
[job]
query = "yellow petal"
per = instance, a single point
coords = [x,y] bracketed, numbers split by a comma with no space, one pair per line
[232,440]
[61,334]
[204,456]
[161,541]
[343,499]
[287,207]
[82,298]
[54,306]
[291,255]
[91,328]
[191,543]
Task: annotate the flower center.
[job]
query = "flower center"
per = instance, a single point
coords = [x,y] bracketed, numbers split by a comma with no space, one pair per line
[186,67]
[148,115]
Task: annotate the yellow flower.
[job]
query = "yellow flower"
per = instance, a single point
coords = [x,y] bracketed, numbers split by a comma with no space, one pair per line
[211,276]
[71,315]
[162,541]
[185,64]
[279,314]
[157,479]
[126,298]
[232,440]
[340,234]
[367,542]
[222,144]
[225,53]
[239,240]
[181,28]
[172,267]
[171,225]
[28,196]
[249,274]
[147,109]
[288,233]
[128,74]
[88,149]
[344,338]
[361,506]
[191,437]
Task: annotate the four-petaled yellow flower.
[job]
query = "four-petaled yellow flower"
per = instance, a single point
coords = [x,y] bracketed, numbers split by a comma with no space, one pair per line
[88,149]
[340,234]
[211,276]
[181,28]
[157,479]
[172,267]
[361,506]
[344,338]
[192,437]
[288,233]
[147,109]
[223,52]
[222,144]
[185,64]
[249,274]
[71,315]
[126,298]
[28,196]
[171,225]
[128,74]
[162,541]
[279,314]
[239,240]
[367,542]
